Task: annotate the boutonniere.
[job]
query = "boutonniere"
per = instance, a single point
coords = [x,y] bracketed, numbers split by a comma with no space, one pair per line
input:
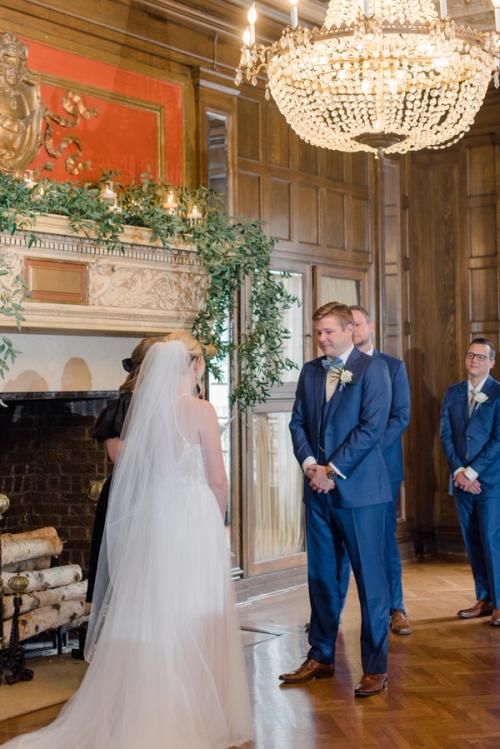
[346,378]
[480,398]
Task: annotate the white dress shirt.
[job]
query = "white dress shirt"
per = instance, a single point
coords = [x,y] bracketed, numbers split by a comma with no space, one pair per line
[470,473]
[309,461]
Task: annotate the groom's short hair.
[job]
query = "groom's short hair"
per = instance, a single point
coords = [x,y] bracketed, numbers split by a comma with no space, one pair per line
[341,311]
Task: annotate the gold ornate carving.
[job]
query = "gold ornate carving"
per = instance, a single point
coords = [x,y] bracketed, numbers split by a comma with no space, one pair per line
[25,122]
[73,106]
[21,107]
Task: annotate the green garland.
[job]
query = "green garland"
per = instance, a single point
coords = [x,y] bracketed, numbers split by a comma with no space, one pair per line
[234,252]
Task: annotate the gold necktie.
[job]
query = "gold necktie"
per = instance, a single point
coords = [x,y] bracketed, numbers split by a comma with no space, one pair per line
[472,402]
[332,380]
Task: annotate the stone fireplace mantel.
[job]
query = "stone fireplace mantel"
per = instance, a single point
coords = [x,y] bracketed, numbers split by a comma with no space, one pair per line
[79,285]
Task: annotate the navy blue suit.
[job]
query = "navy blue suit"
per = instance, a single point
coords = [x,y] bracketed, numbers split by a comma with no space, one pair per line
[392,449]
[475,442]
[346,432]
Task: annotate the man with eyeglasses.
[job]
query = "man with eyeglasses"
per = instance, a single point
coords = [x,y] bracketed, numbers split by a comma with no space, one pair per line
[470,434]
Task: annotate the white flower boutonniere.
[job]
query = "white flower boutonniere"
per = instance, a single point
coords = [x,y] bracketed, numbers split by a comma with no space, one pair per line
[346,378]
[480,398]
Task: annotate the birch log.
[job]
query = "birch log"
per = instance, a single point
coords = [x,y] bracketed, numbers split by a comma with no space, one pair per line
[30,601]
[40,563]
[17,547]
[55,577]
[48,617]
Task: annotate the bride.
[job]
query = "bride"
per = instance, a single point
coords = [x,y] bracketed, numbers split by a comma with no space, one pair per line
[166,666]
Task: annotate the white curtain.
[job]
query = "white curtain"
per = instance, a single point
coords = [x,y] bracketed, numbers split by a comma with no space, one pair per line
[344,290]
[292,320]
[279,528]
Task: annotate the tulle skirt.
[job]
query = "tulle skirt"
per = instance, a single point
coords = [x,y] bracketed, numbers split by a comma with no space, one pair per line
[168,667]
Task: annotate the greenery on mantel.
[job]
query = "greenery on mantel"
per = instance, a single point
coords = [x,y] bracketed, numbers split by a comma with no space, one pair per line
[235,253]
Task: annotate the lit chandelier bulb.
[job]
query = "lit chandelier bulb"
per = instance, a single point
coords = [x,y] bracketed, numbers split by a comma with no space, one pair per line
[294,13]
[252,19]
[247,37]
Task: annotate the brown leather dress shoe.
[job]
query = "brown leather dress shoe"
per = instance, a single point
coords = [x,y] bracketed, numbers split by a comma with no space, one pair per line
[371,684]
[495,619]
[400,624]
[309,670]
[480,608]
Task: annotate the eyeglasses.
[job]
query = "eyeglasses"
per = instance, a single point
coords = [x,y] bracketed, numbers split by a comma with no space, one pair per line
[480,357]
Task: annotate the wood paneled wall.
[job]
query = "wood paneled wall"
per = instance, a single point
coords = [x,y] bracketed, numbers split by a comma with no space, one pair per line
[439,289]
[315,202]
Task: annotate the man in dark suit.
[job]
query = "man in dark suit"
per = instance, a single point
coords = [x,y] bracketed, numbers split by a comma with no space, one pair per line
[392,449]
[470,434]
[340,412]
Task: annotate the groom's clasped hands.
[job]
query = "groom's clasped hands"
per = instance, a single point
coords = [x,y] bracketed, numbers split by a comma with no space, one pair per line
[318,479]
[467,485]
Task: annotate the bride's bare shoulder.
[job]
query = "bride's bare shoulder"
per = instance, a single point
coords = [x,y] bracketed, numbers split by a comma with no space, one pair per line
[202,408]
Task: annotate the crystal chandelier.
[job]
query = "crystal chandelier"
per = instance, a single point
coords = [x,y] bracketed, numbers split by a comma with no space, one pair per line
[384,76]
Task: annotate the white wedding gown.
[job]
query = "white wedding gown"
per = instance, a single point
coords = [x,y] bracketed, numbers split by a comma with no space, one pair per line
[167,670]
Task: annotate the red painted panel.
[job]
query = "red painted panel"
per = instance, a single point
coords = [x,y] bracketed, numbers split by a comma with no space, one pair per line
[125,134]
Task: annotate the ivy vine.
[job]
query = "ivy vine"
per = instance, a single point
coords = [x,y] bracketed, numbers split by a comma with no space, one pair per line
[235,253]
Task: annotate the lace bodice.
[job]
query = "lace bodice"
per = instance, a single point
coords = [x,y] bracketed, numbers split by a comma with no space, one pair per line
[191,461]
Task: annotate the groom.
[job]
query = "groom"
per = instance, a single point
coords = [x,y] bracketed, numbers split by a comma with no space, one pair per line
[340,412]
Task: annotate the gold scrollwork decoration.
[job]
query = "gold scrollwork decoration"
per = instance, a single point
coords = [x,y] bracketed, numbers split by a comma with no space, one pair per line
[25,122]
[73,105]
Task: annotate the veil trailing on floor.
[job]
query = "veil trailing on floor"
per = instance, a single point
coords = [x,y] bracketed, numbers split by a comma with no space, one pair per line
[166,666]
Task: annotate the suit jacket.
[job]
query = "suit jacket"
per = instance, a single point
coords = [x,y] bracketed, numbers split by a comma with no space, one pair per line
[399,416]
[350,425]
[473,442]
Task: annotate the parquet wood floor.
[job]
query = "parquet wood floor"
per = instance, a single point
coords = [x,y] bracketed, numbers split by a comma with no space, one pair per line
[444,680]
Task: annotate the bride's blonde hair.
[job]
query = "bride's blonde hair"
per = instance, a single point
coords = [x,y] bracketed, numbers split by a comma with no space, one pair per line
[195,351]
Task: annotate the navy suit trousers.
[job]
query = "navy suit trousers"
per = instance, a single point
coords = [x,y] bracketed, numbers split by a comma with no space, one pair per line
[393,558]
[331,532]
[480,524]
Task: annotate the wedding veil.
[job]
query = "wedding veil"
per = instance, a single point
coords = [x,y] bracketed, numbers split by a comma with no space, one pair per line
[166,665]
[145,479]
